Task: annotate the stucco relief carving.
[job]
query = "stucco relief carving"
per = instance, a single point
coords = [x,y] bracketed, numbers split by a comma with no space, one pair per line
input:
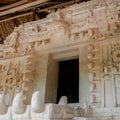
[92,76]
[13,77]
[94,83]
[89,24]
[110,73]
[77,23]
[38,110]
[107,62]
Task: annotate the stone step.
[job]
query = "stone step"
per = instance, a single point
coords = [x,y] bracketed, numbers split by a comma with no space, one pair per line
[86,118]
[90,118]
[96,118]
[79,118]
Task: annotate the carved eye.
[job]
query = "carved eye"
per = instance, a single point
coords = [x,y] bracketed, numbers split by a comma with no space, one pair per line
[118,55]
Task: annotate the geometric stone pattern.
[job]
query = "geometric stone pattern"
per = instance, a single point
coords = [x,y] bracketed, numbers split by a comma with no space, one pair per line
[75,23]
[95,24]
[14,74]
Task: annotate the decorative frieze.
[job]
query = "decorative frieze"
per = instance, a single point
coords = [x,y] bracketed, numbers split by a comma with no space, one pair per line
[13,74]
[94,23]
[94,80]
[97,22]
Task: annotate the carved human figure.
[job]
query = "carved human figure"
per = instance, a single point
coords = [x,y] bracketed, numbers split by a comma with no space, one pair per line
[84,109]
[63,100]
[76,111]
[89,110]
[67,111]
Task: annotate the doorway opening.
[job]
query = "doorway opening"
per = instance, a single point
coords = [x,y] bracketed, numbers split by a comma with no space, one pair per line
[68,80]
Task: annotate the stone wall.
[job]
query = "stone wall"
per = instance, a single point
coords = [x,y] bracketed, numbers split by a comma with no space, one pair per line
[16,76]
[89,31]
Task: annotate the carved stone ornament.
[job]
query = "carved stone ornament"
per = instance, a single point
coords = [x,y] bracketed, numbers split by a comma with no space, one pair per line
[91,65]
[63,34]
[90,48]
[91,76]
[63,100]
[92,87]
[91,56]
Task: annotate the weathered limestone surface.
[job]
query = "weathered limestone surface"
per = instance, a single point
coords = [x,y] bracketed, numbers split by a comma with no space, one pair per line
[37,110]
[89,31]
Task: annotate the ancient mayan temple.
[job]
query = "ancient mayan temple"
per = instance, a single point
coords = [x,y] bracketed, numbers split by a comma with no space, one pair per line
[31,55]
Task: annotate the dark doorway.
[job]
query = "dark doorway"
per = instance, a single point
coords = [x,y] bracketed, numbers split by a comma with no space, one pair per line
[68,80]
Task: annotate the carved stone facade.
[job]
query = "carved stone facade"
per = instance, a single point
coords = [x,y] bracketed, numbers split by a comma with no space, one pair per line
[15,75]
[89,31]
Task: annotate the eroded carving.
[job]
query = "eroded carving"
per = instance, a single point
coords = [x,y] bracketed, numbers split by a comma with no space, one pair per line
[97,26]
[13,79]
[91,65]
